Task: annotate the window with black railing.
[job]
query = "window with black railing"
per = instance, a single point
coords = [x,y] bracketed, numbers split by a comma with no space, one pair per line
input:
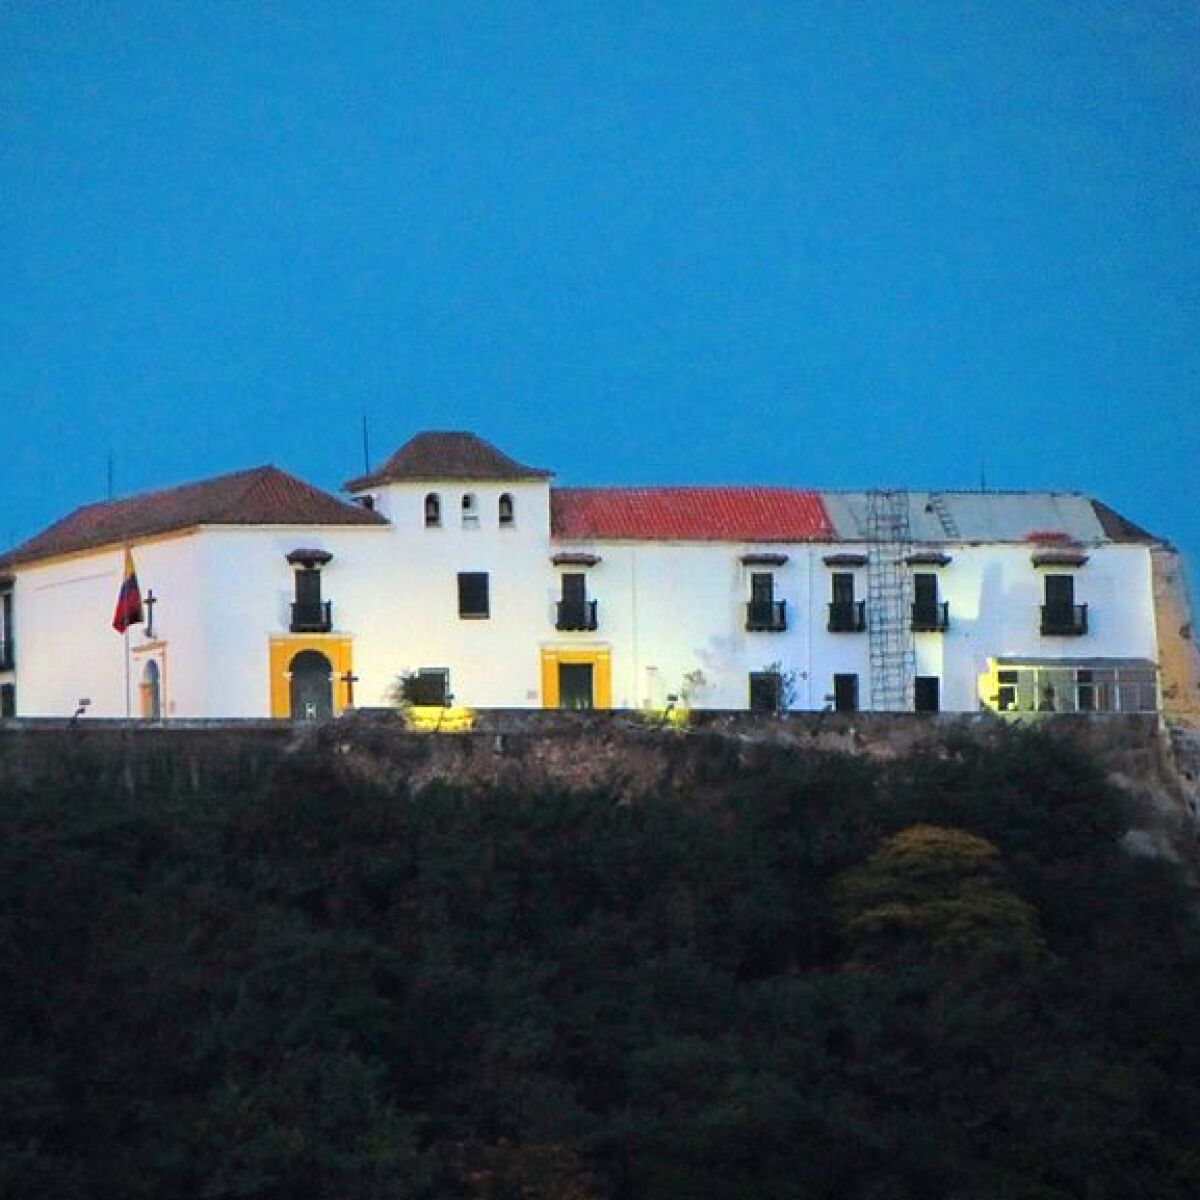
[846,615]
[929,614]
[1061,616]
[575,612]
[1064,620]
[765,614]
[310,614]
[931,618]
[576,615]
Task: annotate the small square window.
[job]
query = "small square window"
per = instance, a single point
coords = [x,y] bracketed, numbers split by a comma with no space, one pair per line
[473,595]
[766,691]
[430,686]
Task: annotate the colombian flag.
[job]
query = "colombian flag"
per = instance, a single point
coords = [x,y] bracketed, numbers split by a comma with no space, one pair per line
[129,599]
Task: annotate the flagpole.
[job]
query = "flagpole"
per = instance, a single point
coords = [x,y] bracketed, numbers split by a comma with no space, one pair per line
[128,612]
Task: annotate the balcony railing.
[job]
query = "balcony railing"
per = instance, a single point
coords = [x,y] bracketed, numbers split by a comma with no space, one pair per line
[931,617]
[766,616]
[848,616]
[8,656]
[1064,620]
[309,617]
[576,614]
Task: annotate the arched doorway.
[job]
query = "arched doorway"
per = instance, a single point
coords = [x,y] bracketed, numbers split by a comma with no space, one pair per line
[311,686]
[150,691]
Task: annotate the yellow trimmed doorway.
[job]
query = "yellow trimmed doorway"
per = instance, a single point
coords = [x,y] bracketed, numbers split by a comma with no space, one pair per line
[574,677]
[309,676]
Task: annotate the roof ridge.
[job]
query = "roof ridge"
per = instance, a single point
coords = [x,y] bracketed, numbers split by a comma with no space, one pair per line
[175,488]
[116,502]
[256,477]
[262,495]
[446,454]
[686,487]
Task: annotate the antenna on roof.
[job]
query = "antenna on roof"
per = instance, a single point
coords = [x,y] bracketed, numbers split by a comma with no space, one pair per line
[366,444]
[110,474]
[982,473]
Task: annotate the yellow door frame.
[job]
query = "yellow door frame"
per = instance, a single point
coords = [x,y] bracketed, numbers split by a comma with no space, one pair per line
[600,660]
[284,648]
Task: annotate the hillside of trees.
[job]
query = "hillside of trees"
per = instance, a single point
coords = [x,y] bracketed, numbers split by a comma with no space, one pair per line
[940,976]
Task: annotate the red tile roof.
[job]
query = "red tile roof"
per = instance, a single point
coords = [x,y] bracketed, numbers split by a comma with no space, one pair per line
[434,455]
[702,514]
[260,496]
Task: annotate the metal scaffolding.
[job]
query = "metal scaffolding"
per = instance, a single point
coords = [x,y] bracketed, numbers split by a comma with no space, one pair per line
[889,587]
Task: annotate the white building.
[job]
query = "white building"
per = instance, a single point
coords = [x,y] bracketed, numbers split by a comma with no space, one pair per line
[469,573]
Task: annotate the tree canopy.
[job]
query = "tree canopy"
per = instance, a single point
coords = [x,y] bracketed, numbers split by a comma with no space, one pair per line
[825,977]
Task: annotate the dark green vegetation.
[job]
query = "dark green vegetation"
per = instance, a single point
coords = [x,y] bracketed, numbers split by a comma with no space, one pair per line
[811,976]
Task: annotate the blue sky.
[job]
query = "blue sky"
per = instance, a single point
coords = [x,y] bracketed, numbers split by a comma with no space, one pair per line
[808,243]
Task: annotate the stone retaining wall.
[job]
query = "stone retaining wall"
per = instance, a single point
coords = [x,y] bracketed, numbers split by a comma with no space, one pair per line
[187,757]
[618,754]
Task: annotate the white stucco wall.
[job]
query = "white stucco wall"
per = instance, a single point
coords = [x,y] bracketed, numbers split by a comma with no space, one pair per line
[996,594]
[407,618]
[667,610]
[67,649]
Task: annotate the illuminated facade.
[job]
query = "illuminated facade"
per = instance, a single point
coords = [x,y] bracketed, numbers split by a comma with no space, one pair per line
[480,584]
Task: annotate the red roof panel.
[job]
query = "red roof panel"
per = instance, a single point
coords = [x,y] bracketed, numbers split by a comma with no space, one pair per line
[700,514]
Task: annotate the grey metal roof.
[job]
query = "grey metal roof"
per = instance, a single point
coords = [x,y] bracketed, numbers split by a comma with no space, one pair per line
[1099,664]
[959,517]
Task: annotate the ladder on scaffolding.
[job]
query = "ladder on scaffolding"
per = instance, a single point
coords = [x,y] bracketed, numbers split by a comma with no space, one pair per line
[940,509]
[889,629]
